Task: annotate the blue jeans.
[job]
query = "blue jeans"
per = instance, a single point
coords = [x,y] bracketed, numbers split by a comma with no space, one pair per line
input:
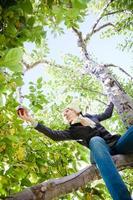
[101,154]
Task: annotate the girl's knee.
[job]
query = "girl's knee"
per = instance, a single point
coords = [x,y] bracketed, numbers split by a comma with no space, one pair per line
[97,142]
[96,139]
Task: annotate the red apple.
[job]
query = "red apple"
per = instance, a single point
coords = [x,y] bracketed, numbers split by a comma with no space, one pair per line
[20,111]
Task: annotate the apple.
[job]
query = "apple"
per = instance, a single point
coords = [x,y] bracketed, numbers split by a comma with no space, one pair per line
[20,110]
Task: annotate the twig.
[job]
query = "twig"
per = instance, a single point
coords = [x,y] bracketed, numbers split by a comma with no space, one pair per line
[113,12]
[103,26]
[30,66]
[118,11]
[120,68]
[93,91]
[101,102]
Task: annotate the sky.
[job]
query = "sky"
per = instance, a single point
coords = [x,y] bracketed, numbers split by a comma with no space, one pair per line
[104,50]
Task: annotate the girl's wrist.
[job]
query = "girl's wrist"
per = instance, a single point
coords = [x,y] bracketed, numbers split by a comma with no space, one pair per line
[33,122]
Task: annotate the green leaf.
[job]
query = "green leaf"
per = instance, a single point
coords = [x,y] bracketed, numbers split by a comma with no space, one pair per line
[31,21]
[26,182]
[13,59]
[32,89]
[2,39]
[19,81]
[80,4]
[14,54]
[39,80]
[26,6]
[11,29]
[2,77]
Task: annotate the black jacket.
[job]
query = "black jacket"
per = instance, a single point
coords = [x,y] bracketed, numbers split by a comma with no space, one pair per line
[83,134]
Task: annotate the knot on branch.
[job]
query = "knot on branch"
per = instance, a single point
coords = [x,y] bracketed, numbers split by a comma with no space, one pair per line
[43,188]
[126,107]
[110,82]
[79,43]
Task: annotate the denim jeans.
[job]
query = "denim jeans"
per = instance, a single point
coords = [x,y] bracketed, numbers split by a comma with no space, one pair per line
[100,152]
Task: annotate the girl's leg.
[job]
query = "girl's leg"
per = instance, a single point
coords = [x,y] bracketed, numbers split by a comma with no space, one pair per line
[106,166]
[125,143]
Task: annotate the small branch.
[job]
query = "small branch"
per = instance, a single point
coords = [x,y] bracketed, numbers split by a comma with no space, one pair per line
[113,12]
[46,62]
[101,102]
[103,26]
[98,20]
[118,11]
[88,89]
[79,34]
[19,90]
[120,68]
[21,96]
[30,66]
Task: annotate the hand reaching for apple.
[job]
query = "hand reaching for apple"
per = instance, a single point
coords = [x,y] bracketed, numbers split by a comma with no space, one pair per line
[23,114]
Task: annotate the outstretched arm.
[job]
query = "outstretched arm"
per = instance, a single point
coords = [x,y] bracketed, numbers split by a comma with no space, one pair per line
[107,113]
[54,135]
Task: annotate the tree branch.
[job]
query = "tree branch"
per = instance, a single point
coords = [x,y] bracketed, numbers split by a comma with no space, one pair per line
[103,26]
[97,21]
[113,12]
[101,102]
[120,68]
[82,44]
[56,187]
[118,11]
[100,93]
[30,66]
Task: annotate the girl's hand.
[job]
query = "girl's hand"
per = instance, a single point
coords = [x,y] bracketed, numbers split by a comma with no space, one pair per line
[24,115]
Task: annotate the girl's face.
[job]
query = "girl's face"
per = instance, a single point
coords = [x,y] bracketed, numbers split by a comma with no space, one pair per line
[70,115]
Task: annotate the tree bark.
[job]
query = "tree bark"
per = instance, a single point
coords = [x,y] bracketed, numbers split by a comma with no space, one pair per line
[122,102]
[57,187]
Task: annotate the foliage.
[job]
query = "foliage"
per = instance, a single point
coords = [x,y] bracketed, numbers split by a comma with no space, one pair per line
[27,157]
[21,18]
[123,18]
[22,148]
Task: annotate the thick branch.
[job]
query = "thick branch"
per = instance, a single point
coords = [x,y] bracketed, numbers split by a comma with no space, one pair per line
[81,43]
[56,187]
[120,68]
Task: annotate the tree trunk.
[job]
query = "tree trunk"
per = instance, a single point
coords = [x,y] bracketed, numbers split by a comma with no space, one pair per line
[122,102]
[57,187]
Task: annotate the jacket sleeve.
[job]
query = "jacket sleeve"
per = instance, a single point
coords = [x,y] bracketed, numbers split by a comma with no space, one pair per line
[54,135]
[106,114]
